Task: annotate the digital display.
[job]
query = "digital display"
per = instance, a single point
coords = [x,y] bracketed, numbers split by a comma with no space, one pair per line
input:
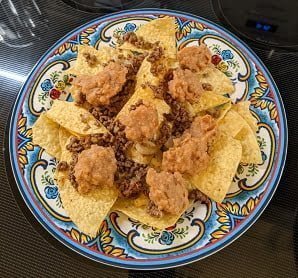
[262,26]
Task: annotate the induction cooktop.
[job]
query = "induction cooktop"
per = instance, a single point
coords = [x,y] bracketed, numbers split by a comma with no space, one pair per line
[29,27]
[269,23]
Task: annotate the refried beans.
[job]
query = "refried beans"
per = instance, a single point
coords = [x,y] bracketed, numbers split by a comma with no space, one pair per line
[195,58]
[185,86]
[95,167]
[141,123]
[100,88]
[189,153]
[167,191]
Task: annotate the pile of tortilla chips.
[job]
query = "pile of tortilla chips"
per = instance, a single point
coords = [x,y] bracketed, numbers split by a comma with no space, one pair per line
[236,142]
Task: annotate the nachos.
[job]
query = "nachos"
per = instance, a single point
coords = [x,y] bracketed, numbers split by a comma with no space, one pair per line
[150,130]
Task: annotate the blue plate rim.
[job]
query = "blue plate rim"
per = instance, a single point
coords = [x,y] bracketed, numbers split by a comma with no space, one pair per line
[180,259]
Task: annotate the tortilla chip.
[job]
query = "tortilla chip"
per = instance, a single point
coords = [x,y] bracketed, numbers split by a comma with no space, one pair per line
[75,119]
[87,211]
[144,75]
[216,179]
[44,133]
[160,30]
[220,83]
[63,136]
[103,55]
[223,110]
[242,108]
[231,124]
[251,152]
[132,209]
[146,94]
[207,100]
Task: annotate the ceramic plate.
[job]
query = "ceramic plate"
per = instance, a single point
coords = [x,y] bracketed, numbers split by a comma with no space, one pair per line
[203,229]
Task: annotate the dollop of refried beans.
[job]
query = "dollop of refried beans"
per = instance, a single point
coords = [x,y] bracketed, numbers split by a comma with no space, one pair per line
[141,123]
[203,126]
[95,167]
[189,154]
[100,88]
[167,191]
[185,86]
[195,58]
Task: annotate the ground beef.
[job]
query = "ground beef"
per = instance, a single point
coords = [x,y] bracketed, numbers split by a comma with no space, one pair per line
[165,133]
[197,195]
[207,86]
[153,210]
[133,64]
[130,37]
[120,143]
[91,59]
[155,58]
[118,101]
[130,177]
[137,41]
[71,174]
[179,116]
[105,114]
[62,166]
[157,68]
[129,189]
[161,89]
[77,145]
[132,183]
[132,188]
[107,111]
[168,77]
[156,54]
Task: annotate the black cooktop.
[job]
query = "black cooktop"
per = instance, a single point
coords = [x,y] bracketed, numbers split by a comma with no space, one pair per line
[268,249]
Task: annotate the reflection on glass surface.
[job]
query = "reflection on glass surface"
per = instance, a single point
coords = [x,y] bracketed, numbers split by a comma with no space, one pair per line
[20,22]
[104,6]
[13,76]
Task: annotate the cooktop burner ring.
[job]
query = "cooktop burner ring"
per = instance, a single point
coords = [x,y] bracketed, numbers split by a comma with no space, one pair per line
[266,24]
